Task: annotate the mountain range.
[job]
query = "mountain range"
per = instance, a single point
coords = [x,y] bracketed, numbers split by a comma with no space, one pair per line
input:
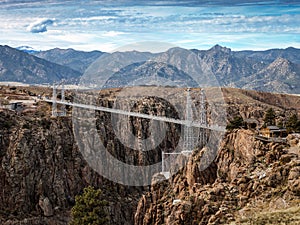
[19,66]
[274,70]
[76,60]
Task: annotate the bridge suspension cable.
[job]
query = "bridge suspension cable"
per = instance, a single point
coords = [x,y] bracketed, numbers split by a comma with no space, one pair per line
[190,139]
[141,115]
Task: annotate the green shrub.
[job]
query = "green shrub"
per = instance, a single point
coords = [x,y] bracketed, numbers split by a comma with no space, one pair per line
[293,124]
[89,208]
[237,122]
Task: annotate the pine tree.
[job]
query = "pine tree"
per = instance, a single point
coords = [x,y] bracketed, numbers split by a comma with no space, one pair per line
[270,116]
[293,124]
[237,122]
[89,208]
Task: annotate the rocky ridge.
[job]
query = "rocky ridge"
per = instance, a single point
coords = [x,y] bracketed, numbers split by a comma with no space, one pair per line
[76,60]
[21,67]
[247,177]
[274,70]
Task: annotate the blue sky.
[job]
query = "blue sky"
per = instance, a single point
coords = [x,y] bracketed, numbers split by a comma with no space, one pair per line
[107,24]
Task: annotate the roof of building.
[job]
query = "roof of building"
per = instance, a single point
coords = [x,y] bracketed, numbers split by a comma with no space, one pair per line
[273,128]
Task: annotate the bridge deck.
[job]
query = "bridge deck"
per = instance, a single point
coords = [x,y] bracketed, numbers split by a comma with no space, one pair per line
[141,115]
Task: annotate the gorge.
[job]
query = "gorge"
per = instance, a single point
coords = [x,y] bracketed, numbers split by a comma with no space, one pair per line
[42,168]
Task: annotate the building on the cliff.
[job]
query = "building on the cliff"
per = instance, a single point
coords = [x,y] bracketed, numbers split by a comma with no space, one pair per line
[19,105]
[273,132]
[14,105]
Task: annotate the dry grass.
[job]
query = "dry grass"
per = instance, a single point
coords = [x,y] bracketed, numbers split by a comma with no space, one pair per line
[289,216]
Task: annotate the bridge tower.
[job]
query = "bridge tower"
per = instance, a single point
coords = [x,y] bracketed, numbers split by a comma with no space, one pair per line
[203,119]
[189,139]
[63,106]
[54,99]
[62,111]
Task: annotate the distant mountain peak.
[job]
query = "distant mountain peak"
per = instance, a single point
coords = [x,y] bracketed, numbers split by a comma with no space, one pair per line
[219,48]
[291,48]
[282,62]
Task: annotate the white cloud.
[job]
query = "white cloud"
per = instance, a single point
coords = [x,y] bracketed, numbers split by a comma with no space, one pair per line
[92,25]
[146,46]
[40,25]
[112,33]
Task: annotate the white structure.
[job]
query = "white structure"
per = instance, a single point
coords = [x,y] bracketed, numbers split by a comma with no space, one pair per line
[190,139]
[167,174]
[203,120]
[54,101]
[141,115]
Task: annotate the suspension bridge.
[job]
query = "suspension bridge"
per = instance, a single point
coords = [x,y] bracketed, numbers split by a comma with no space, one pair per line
[189,138]
[188,122]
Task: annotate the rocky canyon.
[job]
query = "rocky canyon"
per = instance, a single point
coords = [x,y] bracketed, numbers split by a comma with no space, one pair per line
[249,181]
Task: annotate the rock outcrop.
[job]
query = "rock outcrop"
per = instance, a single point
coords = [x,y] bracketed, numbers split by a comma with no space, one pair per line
[246,177]
[46,206]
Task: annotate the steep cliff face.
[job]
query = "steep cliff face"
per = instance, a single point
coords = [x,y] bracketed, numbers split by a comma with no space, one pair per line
[247,176]
[38,162]
[42,170]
